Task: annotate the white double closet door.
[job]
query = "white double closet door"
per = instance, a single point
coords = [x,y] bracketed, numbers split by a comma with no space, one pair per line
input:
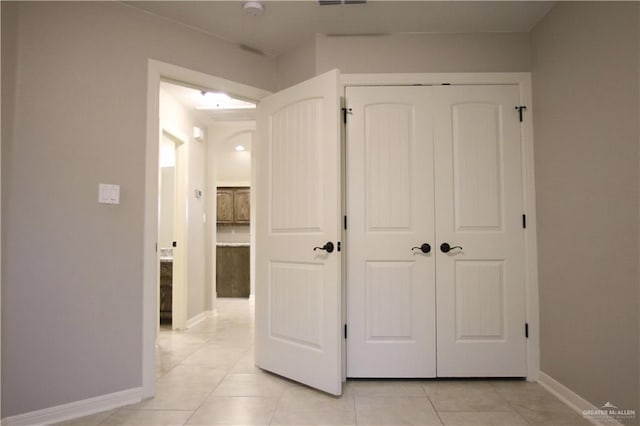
[433,165]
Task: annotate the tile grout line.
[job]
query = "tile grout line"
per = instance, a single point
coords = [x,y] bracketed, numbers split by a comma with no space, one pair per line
[432,405]
[218,384]
[355,405]
[226,374]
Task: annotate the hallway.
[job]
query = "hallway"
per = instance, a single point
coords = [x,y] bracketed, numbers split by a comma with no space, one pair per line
[206,376]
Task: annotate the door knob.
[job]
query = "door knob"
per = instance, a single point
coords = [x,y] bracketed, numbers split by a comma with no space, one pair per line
[328,247]
[425,248]
[446,248]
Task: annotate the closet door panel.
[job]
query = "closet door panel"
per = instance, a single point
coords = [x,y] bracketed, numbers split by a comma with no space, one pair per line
[390,287]
[480,285]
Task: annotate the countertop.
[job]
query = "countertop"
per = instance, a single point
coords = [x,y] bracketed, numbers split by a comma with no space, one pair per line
[233,244]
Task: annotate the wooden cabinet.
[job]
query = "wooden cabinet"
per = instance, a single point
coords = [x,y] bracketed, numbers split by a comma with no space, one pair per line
[241,202]
[232,271]
[233,205]
[225,205]
[166,291]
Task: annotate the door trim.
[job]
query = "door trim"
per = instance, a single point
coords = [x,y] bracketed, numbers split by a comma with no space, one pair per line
[158,70]
[523,81]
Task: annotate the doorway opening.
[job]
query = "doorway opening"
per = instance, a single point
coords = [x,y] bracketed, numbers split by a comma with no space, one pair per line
[230,145]
[184,107]
[171,225]
[205,172]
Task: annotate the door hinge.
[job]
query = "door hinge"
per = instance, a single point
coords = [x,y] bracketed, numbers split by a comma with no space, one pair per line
[524,221]
[521,109]
[526,330]
[346,111]
[345,222]
[345,331]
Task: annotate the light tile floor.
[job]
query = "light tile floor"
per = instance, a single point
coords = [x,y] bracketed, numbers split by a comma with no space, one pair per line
[206,376]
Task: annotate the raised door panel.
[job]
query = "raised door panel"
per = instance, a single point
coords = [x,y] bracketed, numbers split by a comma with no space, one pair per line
[241,205]
[477,158]
[296,168]
[479,304]
[224,207]
[296,304]
[388,299]
[388,139]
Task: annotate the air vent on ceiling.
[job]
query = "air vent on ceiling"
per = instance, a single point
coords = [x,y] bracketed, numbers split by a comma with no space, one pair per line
[251,49]
[338,2]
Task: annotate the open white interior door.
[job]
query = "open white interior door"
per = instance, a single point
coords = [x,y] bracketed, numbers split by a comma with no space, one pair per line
[297,186]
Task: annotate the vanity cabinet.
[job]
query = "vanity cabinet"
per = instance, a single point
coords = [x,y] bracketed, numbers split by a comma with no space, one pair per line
[232,270]
[233,205]
[166,291]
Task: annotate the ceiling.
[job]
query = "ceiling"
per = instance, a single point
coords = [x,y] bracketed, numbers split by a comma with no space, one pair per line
[287,24]
[190,98]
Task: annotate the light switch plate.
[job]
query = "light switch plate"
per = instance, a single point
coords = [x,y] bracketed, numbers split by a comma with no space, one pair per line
[108,194]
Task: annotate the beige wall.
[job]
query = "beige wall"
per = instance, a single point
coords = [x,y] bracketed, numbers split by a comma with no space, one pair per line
[72,270]
[585,80]
[296,65]
[233,168]
[484,52]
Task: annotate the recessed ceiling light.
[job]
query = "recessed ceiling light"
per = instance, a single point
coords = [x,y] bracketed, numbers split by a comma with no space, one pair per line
[239,148]
[214,100]
[253,8]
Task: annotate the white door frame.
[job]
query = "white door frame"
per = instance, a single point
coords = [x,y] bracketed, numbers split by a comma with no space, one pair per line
[158,70]
[523,80]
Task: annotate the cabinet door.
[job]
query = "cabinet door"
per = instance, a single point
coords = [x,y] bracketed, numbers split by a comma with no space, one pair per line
[241,209]
[225,206]
[232,271]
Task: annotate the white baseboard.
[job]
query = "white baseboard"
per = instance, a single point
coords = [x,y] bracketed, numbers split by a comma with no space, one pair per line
[199,318]
[74,410]
[573,400]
